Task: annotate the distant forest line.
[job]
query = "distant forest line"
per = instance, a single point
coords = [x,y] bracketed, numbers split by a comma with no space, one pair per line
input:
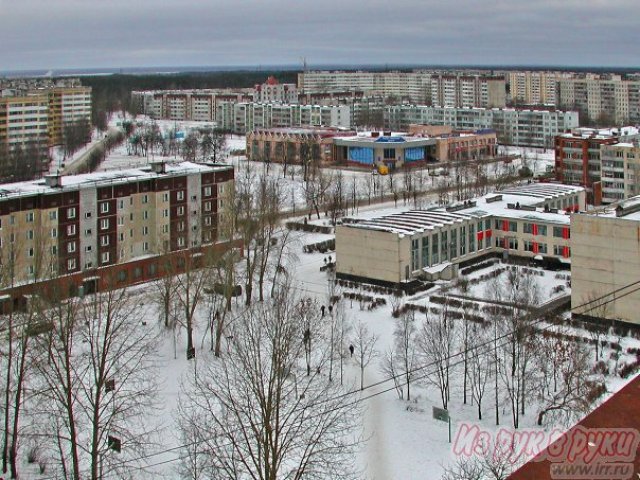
[112,93]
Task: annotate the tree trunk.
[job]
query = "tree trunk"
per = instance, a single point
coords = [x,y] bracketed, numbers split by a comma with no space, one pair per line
[13,451]
[7,396]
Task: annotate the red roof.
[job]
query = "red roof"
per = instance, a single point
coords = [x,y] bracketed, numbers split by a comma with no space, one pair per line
[620,411]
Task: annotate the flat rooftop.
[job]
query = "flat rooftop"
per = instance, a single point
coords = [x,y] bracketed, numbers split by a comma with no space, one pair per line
[524,202]
[76,182]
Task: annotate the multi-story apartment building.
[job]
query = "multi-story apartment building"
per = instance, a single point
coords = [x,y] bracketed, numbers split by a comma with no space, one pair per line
[34,120]
[620,170]
[24,124]
[413,86]
[468,91]
[536,128]
[94,228]
[272,91]
[578,160]
[603,98]
[181,105]
[67,105]
[529,221]
[244,117]
[534,87]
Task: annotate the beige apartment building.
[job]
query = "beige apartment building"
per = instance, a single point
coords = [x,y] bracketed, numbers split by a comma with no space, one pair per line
[34,120]
[93,227]
[24,123]
[620,171]
[67,105]
[606,263]
[465,91]
[530,221]
[604,98]
[534,87]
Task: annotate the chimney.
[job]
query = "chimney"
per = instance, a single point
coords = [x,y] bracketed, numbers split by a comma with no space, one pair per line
[53,181]
[159,167]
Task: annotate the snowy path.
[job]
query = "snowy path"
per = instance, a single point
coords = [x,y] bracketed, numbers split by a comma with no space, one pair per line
[376,432]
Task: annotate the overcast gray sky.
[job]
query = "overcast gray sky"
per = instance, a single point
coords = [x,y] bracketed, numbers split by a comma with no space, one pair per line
[52,34]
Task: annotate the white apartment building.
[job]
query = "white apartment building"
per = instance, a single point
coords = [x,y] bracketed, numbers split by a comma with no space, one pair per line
[413,86]
[620,171]
[272,91]
[513,126]
[247,116]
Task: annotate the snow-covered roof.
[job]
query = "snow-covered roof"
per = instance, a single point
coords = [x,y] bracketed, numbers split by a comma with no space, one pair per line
[76,182]
[525,202]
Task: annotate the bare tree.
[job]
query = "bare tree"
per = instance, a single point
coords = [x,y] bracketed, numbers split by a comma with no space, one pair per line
[364,343]
[98,369]
[190,287]
[479,363]
[435,347]
[255,413]
[567,398]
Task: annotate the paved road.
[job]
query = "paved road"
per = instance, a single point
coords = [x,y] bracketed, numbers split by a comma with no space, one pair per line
[80,162]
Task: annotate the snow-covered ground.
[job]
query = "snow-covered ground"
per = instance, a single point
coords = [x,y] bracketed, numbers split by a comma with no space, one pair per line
[404,441]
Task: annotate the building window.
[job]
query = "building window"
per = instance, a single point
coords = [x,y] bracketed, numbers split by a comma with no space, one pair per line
[105,257]
[71,212]
[207,191]
[71,247]
[104,240]
[30,252]
[87,215]
[207,206]
[120,221]
[29,217]
[415,254]
[104,224]
[472,238]
[145,199]
[165,213]
[104,207]
[443,246]
[453,246]
[145,230]
[165,228]
[434,250]
[71,264]
[180,211]
[87,232]
[165,197]
[71,230]
[145,246]
[180,227]
[207,221]
[54,250]
[425,251]
[120,204]
[53,215]
[180,195]
[145,215]
[181,241]
[29,234]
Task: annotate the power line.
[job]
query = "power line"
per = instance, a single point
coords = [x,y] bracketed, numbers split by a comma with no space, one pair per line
[381,382]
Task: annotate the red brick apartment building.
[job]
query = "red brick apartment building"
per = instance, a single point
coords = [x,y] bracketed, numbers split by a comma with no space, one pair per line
[577,161]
